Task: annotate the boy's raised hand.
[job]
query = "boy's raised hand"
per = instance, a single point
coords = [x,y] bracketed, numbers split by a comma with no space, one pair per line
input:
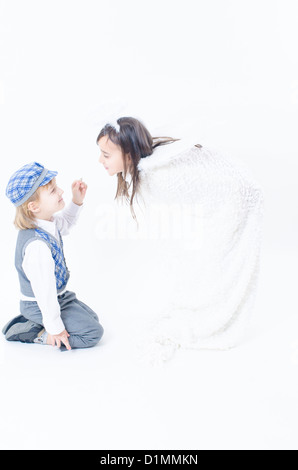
[79,189]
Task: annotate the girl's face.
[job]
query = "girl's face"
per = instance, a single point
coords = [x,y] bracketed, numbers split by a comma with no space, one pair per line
[110,156]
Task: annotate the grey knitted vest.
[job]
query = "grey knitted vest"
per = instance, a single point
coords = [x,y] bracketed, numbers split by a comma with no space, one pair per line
[56,246]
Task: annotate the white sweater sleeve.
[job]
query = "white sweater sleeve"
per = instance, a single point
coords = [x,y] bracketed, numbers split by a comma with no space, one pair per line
[68,217]
[39,268]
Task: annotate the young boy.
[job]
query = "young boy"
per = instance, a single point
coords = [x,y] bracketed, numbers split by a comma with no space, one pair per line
[50,314]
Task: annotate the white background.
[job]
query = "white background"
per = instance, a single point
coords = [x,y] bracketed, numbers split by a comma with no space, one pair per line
[227,71]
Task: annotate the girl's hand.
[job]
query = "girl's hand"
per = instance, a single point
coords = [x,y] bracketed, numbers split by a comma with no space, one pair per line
[79,189]
[58,339]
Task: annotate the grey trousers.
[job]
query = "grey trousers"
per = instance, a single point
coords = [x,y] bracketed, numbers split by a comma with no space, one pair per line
[80,321]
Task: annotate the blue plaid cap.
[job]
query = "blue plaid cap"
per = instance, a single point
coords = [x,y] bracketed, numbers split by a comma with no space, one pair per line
[25,181]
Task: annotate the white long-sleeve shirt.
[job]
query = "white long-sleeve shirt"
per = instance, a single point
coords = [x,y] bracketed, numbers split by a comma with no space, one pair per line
[39,267]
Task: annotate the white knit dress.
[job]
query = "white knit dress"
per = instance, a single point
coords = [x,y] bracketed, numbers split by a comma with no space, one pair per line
[211,246]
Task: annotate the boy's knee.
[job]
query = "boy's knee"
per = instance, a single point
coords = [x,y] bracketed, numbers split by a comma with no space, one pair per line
[89,338]
[96,334]
[99,332]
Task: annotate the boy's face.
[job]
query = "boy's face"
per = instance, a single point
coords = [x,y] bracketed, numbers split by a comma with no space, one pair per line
[50,201]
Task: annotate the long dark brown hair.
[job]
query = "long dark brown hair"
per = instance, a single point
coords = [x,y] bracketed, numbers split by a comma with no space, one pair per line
[135,140]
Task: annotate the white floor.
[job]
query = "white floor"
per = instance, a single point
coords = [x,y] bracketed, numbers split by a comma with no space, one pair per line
[50,112]
[103,398]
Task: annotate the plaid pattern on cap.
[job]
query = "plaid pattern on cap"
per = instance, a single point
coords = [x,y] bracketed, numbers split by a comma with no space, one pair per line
[25,181]
[61,271]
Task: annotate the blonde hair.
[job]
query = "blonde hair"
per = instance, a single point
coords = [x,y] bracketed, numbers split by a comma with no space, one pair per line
[24,218]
